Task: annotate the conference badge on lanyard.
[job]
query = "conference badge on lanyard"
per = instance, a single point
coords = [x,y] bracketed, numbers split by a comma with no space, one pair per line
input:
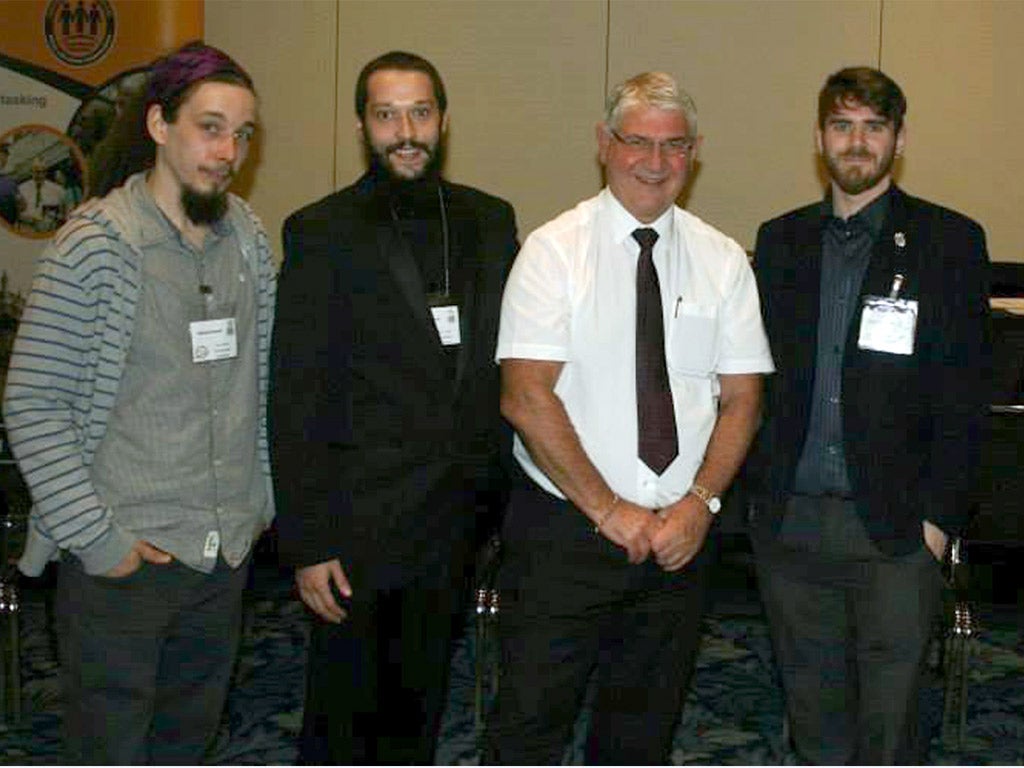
[888,323]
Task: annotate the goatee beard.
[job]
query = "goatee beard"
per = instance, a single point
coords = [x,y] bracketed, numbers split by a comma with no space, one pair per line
[204,208]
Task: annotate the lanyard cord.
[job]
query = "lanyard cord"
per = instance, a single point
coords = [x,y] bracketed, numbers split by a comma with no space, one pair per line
[445,239]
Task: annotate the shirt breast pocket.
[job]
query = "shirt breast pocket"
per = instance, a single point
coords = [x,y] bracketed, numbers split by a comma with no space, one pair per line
[692,338]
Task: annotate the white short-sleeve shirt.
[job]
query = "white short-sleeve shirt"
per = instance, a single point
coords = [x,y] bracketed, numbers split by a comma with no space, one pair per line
[571,297]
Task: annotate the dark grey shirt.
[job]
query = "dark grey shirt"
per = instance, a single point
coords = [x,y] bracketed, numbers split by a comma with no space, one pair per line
[180,459]
[846,251]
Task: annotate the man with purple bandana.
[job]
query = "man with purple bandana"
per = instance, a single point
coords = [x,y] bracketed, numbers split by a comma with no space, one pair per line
[135,406]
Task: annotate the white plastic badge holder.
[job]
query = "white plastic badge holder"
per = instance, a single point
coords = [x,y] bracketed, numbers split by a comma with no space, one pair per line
[888,325]
[213,339]
[446,318]
[212,545]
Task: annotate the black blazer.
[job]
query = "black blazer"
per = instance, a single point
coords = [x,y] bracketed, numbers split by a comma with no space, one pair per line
[912,423]
[379,458]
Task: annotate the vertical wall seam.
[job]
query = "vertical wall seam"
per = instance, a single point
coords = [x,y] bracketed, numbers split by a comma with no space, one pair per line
[607,52]
[881,22]
[335,100]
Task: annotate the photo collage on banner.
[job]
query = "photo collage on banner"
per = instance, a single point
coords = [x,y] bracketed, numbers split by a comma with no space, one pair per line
[66,68]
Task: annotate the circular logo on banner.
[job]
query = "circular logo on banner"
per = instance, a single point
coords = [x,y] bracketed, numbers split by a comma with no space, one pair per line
[79,32]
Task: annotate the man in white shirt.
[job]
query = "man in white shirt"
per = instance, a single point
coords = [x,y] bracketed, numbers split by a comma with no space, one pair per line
[631,419]
[42,199]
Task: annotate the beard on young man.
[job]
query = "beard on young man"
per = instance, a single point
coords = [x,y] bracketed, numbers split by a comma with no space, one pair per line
[405,197]
[854,179]
[379,161]
[203,208]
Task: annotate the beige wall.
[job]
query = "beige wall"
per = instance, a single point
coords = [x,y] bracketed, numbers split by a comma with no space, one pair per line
[964,123]
[754,69]
[290,50]
[527,78]
[525,81]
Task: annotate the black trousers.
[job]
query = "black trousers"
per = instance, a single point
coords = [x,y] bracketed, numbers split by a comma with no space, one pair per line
[850,628]
[146,661]
[573,605]
[376,682]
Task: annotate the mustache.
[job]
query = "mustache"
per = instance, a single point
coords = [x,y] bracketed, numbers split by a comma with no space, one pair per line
[226,170]
[407,145]
[858,153]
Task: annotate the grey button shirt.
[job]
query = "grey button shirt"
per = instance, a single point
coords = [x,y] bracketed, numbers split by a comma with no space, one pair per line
[179,464]
[846,252]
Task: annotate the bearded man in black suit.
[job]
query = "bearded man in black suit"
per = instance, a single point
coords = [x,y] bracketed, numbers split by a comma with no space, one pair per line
[875,303]
[386,433]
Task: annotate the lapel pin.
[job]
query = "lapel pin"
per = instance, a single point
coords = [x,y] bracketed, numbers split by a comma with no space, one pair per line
[900,239]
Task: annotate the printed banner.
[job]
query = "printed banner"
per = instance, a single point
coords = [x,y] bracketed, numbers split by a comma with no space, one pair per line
[66,67]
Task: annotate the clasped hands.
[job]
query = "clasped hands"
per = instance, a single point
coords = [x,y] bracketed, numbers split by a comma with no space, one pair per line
[673,535]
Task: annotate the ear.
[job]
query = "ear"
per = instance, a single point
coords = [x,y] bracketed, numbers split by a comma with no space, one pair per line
[360,130]
[156,125]
[604,139]
[901,139]
[444,124]
[698,142]
[819,141]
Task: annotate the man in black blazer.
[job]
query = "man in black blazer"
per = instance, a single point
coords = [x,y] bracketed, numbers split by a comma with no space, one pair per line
[876,306]
[386,433]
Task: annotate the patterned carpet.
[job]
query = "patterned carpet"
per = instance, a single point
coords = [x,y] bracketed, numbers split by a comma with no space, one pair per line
[733,713]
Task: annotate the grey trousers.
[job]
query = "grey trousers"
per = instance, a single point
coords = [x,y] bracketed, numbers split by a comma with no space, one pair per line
[850,628]
[146,661]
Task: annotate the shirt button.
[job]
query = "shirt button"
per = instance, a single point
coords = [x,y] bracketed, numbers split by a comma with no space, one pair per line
[220,510]
[834,400]
[216,412]
[217,462]
[832,450]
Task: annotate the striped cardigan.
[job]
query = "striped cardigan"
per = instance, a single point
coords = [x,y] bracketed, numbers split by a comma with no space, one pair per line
[67,363]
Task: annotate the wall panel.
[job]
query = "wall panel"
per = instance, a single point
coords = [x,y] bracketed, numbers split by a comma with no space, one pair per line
[289,49]
[959,64]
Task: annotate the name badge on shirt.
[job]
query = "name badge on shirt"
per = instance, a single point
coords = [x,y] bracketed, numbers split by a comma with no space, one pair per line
[888,325]
[212,544]
[213,339]
[446,319]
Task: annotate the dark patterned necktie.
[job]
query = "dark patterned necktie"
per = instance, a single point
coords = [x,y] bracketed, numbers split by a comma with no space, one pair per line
[656,420]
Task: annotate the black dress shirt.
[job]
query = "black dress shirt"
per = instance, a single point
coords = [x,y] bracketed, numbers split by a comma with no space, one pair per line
[846,252]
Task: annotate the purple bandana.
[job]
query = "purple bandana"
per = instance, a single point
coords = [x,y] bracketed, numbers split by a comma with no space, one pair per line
[196,61]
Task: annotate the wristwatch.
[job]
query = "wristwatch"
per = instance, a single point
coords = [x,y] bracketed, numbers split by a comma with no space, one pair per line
[712,502]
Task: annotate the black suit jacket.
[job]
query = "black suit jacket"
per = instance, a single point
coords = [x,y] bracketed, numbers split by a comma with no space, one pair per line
[380,459]
[911,423]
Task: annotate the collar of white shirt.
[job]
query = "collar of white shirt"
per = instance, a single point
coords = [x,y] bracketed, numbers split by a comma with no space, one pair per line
[621,223]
